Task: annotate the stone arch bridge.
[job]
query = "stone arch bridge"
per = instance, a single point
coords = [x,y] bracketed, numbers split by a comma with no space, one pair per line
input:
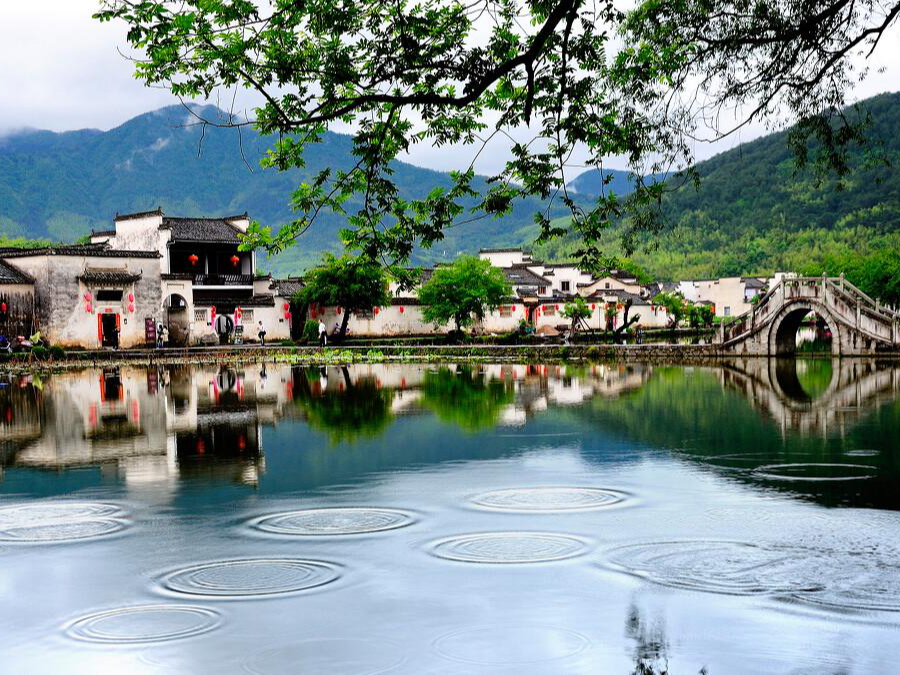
[860,326]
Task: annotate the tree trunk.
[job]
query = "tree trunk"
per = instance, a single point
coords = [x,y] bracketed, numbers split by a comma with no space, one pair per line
[344,321]
[625,321]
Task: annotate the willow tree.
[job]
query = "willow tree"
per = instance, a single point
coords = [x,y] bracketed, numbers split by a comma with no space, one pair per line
[564,81]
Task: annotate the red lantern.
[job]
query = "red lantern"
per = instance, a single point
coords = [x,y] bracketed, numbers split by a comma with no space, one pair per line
[131,297]
[212,312]
[88,308]
[339,310]
[235,260]
[87,297]
[238,313]
[377,310]
[287,306]
[3,307]
[130,308]
[401,309]
[557,306]
[287,315]
[593,306]
[193,259]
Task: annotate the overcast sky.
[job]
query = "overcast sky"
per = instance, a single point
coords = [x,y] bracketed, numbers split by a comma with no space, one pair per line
[61,70]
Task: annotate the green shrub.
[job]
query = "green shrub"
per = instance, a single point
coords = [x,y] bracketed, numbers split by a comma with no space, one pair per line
[40,353]
[286,343]
[593,353]
[311,330]
[57,353]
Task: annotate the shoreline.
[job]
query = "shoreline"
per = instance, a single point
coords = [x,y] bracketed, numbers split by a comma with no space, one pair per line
[386,353]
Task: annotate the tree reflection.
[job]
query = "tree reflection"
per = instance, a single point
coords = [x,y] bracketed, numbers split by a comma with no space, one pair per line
[347,412]
[465,398]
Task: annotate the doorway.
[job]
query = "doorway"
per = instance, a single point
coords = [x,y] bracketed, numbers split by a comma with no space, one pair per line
[109,330]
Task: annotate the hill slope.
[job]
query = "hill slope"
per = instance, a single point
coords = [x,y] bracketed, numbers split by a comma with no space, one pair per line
[62,185]
[754,213]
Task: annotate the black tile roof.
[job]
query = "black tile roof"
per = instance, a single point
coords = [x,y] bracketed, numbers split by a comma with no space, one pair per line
[522,276]
[102,250]
[202,229]
[287,287]
[104,275]
[515,249]
[10,274]
[140,214]
[103,233]
[226,298]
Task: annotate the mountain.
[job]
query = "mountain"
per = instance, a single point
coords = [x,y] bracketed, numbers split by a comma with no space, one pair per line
[62,185]
[755,213]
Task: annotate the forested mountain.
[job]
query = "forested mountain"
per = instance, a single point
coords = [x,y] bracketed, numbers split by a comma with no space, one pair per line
[754,212]
[62,185]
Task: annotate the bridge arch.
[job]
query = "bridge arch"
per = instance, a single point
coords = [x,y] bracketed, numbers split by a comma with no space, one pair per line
[783,330]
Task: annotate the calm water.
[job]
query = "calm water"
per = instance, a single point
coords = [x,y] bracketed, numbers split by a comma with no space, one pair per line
[416,519]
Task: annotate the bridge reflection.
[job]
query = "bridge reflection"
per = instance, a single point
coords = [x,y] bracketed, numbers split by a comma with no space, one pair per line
[813,396]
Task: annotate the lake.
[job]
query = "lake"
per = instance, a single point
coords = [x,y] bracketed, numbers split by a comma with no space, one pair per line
[602,519]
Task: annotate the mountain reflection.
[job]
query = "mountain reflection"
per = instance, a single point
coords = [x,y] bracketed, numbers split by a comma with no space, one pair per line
[810,420]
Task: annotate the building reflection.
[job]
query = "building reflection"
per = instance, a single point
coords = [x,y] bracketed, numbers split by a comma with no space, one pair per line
[206,422]
[145,424]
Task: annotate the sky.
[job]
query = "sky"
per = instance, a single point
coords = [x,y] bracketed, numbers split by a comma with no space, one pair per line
[61,70]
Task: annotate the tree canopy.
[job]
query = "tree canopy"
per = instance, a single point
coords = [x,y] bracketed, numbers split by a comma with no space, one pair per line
[463,292]
[350,283]
[546,76]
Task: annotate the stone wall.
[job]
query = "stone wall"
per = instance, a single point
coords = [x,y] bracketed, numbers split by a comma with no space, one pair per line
[69,319]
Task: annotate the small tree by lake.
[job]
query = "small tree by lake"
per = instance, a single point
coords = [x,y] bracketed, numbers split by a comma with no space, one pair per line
[347,282]
[463,292]
[576,311]
[675,305]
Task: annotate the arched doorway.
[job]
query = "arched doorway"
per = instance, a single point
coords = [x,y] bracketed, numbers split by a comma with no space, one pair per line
[177,320]
[804,328]
[224,326]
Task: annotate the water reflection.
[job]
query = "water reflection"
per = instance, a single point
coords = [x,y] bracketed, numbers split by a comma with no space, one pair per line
[797,426]
[446,519]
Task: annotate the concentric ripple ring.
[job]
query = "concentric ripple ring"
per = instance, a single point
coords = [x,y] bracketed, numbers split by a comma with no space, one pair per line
[244,578]
[509,547]
[510,645]
[727,567]
[832,472]
[59,521]
[549,499]
[147,623]
[334,521]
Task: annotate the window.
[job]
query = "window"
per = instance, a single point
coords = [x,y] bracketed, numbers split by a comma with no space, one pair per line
[364,314]
[200,315]
[607,284]
[549,310]
[107,295]
[247,316]
[727,311]
[506,310]
[542,290]
[565,286]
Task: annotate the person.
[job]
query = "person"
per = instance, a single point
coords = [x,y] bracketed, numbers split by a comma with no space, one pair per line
[323,333]
[165,335]
[261,332]
[159,336]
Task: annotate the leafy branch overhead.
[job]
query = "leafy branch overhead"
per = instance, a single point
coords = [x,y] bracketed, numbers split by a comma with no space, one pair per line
[541,75]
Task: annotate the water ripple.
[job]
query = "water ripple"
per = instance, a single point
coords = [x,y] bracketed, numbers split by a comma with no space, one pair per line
[510,645]
[54,522]
[728,567]
[509,547]
[549,499]
[348,656]
[148,623]
[815,472]
[252,577]
[334,521]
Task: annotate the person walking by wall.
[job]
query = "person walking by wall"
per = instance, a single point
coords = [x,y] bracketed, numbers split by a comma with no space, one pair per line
[323,333]
[159,335]
[165,335]
[261,333]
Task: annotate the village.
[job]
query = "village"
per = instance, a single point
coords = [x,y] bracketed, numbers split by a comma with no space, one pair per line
[188,279]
